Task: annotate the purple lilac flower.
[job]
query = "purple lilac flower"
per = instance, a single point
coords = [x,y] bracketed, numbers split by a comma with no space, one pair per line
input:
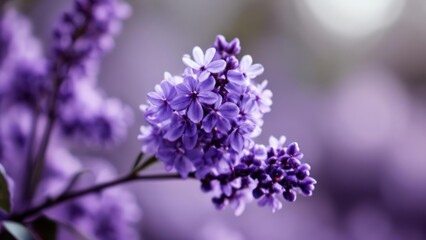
[22,66]
[247,70]
[84,34]
[193,93]
[161,99]
[204,62]
[220,117]
[215,116]
[86,114]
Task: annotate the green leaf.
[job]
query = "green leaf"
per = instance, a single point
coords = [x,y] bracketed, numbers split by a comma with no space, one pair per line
[5,196]
[45,228]
[17,230]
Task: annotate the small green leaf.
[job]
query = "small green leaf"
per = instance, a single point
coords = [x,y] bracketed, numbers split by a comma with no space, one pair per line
[45,228]
[17,230]
[5,196]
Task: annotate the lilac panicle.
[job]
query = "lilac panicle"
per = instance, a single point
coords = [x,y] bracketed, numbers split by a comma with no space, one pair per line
[203,122]
[83,112]
[22,65]
[84,34]
[81,38]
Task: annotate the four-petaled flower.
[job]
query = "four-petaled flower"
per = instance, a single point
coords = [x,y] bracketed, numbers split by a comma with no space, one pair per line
[204,63]
[191,94]
[220,116]
[160,100]
[246,72]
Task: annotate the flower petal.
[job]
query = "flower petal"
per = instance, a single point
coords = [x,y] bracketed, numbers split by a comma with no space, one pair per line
[209,122]
[203,76]
[245,63]
[216,66]
[207,85]
[236,141]
[209,56]
[183,166]
[255,70]
[207,97]
[235,76]
[183,88]
[223,125]
[198,55]
[229,110]
[190,63]
[168,89]
[189,142]
[195,112]
[180,103]
[154,98]
[175,131]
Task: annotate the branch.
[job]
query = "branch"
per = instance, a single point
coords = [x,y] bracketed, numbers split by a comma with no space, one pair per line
[49,203]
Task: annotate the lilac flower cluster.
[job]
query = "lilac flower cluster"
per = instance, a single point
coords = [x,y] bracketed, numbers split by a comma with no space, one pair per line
[83,112]
[81,38]
[204,121]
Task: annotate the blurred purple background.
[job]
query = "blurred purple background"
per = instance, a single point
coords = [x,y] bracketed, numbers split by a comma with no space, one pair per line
[349,84]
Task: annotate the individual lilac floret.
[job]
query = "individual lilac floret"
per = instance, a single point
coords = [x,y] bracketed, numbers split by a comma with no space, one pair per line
[220,117]
[246,71]
[192,94]
[203,63]
[160,100]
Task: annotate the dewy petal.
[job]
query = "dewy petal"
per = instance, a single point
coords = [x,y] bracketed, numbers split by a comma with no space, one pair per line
[209,56]
[207,85]
[229,110]
[195,112]
[235,76]
[255,70]
[246,62]
[216,66]
[180,103]
[207,97]
[209,122]
[154,98]
[198,55]
[190,63]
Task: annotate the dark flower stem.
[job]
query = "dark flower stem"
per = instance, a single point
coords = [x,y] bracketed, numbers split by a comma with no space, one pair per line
[49,203]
